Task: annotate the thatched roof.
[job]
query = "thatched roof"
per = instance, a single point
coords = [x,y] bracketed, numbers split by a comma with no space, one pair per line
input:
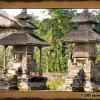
[27,24]
[26,20]
[85,16]
[7,21]
[3,34]
[22,38]
[23,15]
[83,34]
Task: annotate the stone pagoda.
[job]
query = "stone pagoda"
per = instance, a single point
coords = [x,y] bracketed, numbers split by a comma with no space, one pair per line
[26,21]
[23,43]
[82,65]
[28,26]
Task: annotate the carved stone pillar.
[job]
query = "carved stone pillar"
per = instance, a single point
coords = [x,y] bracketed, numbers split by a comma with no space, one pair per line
[5,56]
[40,64]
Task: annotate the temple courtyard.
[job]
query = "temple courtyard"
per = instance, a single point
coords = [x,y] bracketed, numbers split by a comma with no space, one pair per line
[24,72]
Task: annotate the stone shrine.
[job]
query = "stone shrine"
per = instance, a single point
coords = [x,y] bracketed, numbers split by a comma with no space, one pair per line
[81,68]
[23,42]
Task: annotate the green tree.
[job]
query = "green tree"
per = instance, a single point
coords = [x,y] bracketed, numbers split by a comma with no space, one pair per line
[52,29]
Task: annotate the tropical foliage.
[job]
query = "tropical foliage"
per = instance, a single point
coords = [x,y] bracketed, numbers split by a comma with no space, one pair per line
[52,29]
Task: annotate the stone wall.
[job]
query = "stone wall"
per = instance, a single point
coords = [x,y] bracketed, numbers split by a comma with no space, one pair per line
[55,76]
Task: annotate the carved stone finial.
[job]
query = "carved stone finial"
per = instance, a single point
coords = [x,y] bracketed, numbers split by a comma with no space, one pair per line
[24,10]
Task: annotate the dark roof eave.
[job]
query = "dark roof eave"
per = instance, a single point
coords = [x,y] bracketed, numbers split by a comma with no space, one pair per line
[83,22]
[42,45]
[11,27]
[81,41]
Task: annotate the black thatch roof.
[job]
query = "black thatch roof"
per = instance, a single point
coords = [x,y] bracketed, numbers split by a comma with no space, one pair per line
[26,20]
[27,24]
[83,34]
[7,21]
[84,17]
[23,15]
[22,38]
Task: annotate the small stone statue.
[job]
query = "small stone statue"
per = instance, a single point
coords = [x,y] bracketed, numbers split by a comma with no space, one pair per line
[19,71]
[78,82]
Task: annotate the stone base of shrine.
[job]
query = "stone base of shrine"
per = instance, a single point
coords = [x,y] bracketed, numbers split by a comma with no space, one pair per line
[88,87]
[79,78]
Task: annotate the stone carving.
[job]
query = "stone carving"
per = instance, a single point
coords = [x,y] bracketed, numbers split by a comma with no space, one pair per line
[79,82]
